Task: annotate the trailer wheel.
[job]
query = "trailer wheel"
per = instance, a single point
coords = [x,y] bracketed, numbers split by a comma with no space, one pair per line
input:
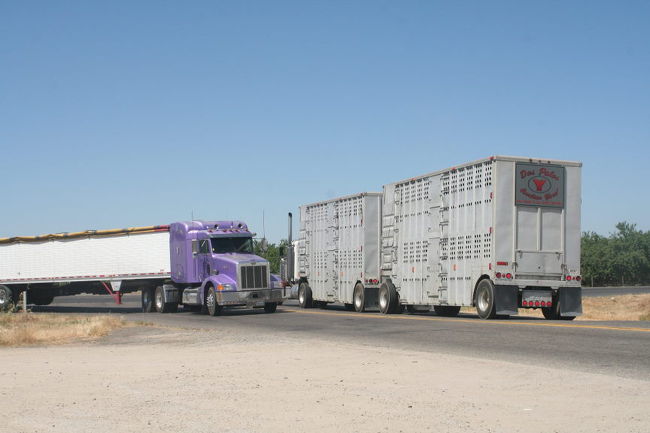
[147,300]
[359,298]
[214,309]
[484,299]
[388,299]
[305,298]
[270,307]
[6,298]
[446,310]
[553,313]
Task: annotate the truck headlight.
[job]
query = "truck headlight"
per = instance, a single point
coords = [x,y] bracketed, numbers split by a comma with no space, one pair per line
[222,287]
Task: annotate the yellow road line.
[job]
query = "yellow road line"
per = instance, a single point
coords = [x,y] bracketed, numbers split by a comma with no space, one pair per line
[475,321]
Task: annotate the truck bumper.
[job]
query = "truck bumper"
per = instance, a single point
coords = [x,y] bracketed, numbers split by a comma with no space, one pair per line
[249,298]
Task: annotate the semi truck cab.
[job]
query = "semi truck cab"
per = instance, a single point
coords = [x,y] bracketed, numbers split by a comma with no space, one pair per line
[213,265]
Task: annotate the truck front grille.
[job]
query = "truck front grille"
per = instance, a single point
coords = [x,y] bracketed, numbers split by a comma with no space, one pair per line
[253,277]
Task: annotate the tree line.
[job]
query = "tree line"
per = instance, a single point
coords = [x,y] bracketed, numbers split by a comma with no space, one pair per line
[622,258]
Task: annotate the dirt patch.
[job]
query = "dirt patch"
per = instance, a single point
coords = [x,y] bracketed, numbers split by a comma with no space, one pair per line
[240,382]
[20,329]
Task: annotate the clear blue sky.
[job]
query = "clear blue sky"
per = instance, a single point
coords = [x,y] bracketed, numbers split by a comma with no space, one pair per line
[118,114]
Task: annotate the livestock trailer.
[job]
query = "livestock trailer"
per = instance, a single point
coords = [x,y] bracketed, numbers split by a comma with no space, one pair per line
[500,233]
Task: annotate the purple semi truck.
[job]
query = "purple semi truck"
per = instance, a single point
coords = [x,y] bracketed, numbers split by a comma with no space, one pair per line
[202,265]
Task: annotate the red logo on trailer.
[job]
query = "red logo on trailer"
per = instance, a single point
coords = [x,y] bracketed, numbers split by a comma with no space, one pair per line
[539,185]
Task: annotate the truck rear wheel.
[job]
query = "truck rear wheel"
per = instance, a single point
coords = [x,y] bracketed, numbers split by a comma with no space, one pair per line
[6,298]
[388,299]
[359,298]
[446,310]
[484,300]
[147,300]
[214,309]
[270,307]
[305,298]
[161,305]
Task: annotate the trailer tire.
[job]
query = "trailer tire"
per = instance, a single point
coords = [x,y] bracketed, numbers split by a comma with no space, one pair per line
[446,310]
[388,299]
[40,298]
[214,309]
[6,298]
[359,298]
[305,298]
[484,300]
[270,307]
[147,300]
[553,313]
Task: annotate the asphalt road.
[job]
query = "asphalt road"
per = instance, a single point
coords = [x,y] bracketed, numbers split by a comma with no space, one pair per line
[614,291]
[612,348]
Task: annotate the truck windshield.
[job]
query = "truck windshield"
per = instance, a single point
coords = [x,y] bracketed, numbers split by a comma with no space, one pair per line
[232,245]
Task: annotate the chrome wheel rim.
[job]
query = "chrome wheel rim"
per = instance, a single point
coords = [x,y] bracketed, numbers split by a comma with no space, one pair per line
[301,297]
[3,297]
[357,299]
[210,301]
[483,300]
[159,299]
[383,300]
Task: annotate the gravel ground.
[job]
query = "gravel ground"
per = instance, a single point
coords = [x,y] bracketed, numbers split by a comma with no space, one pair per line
[171,380]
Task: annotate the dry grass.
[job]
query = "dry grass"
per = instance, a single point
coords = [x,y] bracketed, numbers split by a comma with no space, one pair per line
[20,329]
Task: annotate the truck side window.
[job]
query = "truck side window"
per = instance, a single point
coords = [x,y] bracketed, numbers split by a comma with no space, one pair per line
[204,246]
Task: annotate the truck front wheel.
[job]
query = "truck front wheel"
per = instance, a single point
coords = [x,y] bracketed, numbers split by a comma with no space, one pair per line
[214,309]
[304,295]
[485,300]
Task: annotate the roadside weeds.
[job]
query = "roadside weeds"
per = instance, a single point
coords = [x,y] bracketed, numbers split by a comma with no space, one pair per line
[24,329]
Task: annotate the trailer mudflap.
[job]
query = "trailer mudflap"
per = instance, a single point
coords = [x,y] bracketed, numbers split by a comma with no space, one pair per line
[570,301]
[506,299]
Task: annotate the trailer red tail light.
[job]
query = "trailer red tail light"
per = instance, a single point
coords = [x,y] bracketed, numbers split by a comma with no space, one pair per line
[524,303]
[537,303]
[578,278]
[569,278]
[509,276]
[498,275]
[542,304]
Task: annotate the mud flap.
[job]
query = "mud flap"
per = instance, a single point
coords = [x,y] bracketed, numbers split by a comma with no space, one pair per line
[570,301]
[506,299]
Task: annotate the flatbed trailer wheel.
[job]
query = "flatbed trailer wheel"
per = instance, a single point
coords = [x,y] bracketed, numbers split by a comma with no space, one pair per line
[6,298]
[446,310]
[484,300]
[359,298]
[388,299]
[304,295]
[270,307]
